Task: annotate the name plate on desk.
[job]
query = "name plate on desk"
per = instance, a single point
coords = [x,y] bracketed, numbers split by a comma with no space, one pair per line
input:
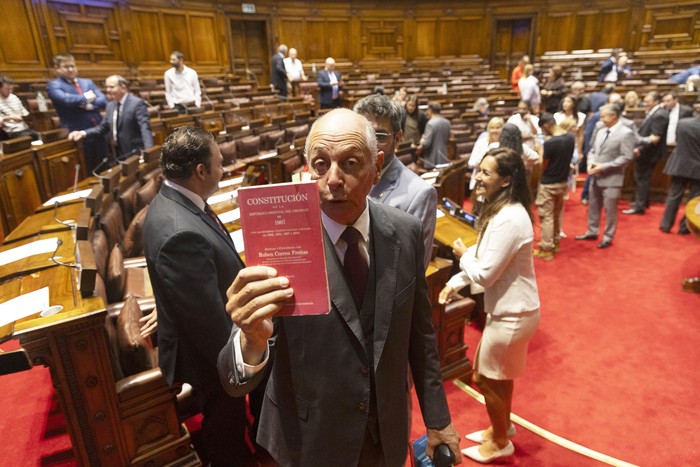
[10,146]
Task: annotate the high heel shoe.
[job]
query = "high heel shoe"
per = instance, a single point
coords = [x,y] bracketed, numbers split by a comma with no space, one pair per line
[474,454]
[478,438]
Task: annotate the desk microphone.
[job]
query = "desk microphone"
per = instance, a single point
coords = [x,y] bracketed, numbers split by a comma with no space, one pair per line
[61,263]
[71,266]
[59,221]
[96,170]
[75,179]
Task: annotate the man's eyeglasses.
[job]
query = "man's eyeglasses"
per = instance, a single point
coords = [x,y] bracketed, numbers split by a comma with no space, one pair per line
[383,138]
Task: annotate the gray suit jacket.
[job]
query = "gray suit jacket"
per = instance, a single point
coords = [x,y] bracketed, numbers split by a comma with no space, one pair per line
[403,189]
[133,128]
[614,156]
[315,407]
[685,159]
[191,263]
[437,133]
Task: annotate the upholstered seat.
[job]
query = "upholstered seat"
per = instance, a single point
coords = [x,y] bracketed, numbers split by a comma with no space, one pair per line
[248,146]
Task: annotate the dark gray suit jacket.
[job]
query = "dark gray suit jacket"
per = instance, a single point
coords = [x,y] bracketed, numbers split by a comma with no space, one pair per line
[437,133]
[685,159]
[315,407]
[616,153]
[133,128]
[191,263]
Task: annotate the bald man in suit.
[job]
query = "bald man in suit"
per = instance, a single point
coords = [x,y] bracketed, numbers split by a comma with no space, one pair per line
[337,389]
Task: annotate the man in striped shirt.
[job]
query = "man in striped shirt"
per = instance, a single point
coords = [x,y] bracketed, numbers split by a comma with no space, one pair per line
[12,112]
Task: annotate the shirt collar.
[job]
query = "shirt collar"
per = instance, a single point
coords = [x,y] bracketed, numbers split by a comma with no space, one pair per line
[335,229]
[191,195]
[616,126]
[123,99]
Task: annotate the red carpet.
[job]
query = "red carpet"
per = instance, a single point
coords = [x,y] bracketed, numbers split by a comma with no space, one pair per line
[611,368]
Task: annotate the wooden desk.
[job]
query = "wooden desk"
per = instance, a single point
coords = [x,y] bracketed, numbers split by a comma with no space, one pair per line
[64,253]
[43,222]
[448,229]
[107,427]
[449,328]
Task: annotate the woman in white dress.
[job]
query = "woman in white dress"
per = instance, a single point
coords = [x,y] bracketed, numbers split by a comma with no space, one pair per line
[501,262]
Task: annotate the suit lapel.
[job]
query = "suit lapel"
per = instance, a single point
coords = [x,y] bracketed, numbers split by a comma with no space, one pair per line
[341,297]
[184,201]
[388,183]
[386,262]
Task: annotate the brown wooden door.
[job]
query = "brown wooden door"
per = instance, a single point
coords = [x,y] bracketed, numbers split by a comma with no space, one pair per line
[511,39]
[250,50]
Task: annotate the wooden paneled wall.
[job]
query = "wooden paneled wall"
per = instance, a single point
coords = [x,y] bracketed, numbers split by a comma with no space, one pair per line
[134,37]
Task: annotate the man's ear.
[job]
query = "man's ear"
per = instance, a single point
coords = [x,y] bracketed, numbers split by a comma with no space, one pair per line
[378,167]
[397,138]
[200,170]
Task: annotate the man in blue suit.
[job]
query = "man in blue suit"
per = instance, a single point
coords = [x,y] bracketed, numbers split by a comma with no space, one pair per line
[78,102]
[398,186]
[125,122]
[329,84]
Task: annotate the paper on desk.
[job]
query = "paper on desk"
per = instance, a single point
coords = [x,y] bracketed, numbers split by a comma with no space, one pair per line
[237,237]
[439,214]
[46,245]
[228,196]
[68,197]
[230,216]
[24,305]
[232,181]
[267,155]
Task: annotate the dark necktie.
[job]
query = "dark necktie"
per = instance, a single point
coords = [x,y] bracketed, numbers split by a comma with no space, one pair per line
[208,210]
[355,264]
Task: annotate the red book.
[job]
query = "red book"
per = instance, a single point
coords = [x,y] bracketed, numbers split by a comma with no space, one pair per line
[282,229]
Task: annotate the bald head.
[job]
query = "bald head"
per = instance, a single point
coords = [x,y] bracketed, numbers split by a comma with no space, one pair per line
[292,53]
[341,151]
[330,64]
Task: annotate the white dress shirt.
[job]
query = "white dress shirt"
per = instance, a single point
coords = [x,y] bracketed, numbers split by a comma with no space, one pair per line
[182,87]
[673,124]
[294,69]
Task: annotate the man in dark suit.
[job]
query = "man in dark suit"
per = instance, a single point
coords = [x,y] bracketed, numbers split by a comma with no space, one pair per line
[132,131]
[337,393]
[191,262]
[398,186]
[651,147]
[433,144]
[279,73]
[612,146]
[330,84]
[684,168]
[676,111]
[77,102]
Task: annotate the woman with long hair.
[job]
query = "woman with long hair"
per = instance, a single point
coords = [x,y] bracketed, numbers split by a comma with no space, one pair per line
[414,121]
[501,262]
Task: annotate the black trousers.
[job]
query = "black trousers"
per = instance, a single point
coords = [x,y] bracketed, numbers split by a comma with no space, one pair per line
[674,198]
[642,178]
[223,429]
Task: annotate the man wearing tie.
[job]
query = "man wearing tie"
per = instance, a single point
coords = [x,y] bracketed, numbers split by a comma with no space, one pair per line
[651,146]
[611,151]
[329,84]
[125,121]
[191,262]
[337,388]
[78,102]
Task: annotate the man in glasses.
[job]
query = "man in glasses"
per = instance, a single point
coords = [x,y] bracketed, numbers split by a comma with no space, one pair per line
[398,186]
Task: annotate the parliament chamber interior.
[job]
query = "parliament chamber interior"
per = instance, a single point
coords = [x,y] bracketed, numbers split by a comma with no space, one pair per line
[75,286]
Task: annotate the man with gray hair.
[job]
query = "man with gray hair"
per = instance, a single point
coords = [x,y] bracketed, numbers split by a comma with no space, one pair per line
[125,124]
[398,186]
[336,393]
[612,146]
[433,144]
[278,72]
